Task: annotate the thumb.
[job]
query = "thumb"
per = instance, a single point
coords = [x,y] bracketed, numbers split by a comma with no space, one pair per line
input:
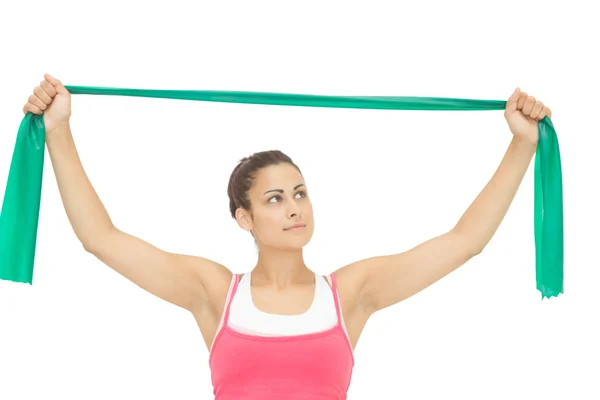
[511,103]
[58,86]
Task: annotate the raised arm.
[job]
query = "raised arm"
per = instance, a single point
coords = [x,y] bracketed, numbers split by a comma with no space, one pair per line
[380,282]
[176,278]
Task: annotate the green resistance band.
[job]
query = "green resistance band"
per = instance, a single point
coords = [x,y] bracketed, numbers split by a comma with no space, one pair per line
[20,209]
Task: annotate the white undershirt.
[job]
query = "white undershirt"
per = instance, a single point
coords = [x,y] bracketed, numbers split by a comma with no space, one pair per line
[246,318]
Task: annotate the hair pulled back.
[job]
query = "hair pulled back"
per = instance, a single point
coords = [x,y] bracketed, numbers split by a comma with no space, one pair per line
[244,173]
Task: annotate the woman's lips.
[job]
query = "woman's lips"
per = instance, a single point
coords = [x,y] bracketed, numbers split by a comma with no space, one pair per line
[295,227]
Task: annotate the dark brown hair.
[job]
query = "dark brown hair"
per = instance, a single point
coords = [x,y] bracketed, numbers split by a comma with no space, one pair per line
[244,173]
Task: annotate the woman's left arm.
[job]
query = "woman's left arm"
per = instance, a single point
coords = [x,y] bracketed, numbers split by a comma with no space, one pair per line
[383,281]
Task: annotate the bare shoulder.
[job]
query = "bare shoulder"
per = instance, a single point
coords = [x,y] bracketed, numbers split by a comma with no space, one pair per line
[210,298]
[214,279]
[350,281]
[351,278]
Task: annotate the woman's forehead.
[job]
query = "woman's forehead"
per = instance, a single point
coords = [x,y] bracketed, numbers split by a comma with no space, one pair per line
[282,176]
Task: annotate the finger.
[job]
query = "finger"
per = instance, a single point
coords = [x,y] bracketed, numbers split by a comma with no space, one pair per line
[511,103]
[544,113]
[541,116]
[31,108]
[33,99]
[47,86]
[537,108]
[58,86]
[521,102]
[42,95]
[528,106]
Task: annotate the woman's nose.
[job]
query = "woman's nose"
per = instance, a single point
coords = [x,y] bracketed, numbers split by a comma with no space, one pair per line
[292,209]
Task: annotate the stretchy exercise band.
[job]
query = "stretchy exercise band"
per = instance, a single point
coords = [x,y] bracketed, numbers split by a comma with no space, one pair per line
[20,209]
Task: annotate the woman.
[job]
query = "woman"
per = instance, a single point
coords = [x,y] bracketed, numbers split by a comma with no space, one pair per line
[280,331]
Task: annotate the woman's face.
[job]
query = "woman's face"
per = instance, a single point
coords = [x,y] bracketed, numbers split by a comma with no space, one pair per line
[280,201]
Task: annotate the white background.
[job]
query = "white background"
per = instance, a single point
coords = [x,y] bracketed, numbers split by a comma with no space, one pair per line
[381,182]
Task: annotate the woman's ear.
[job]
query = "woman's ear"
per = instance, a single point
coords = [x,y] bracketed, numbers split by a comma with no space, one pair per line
[243,219]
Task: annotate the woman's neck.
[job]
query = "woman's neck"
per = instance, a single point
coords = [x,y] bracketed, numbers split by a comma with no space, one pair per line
[281,269]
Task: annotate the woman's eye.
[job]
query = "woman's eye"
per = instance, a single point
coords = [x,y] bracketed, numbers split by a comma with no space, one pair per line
[278,198]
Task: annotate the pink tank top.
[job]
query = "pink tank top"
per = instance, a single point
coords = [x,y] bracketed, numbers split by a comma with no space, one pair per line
[309,366]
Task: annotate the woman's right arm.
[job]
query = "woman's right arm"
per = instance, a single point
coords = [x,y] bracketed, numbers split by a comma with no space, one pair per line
[187,281]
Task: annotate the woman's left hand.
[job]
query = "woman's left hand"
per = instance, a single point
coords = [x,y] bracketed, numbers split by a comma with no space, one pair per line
[522,113]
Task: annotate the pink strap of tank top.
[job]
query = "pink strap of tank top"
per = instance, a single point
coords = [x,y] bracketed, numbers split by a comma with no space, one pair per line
[336,298]
[233,290]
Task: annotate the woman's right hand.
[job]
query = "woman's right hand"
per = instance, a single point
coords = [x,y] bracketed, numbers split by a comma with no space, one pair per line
[53,100]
